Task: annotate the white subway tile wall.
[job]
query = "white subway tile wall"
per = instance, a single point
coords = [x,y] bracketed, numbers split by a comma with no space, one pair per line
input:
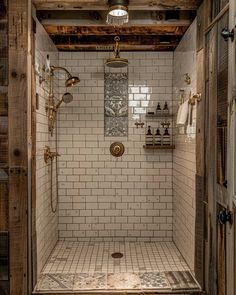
[46,221]
[184,156]
[101,197]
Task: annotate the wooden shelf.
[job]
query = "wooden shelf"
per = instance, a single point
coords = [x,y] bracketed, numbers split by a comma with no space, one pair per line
[155,116]
[159,147]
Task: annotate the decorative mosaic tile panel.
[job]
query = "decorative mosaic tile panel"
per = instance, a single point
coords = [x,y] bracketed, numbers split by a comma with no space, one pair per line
[116,104]
[90,281]
[154,280]
[151,281]
[181,280]
[55,282]
[123,281]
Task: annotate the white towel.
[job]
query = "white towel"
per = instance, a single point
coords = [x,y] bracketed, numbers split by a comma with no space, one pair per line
[179,113]
[183,113]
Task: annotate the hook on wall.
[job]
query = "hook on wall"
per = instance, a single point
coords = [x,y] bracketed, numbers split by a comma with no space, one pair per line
[187,79]
[195,97]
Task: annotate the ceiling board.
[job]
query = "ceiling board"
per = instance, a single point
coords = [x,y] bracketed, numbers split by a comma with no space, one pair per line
[81,24]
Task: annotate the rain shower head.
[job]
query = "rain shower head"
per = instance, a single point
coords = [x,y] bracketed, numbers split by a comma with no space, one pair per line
[66,98]
[117,61]
[71,81]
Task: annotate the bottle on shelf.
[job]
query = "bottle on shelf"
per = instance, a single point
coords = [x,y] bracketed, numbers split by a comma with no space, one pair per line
[166,137]
[165,109]
[149,136]
[157,137]
[158,109]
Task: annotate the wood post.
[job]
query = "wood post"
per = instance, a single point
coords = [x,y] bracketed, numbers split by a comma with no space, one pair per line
[200,154]
[19,122]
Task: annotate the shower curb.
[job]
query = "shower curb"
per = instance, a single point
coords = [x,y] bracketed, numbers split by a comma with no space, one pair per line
[180,292]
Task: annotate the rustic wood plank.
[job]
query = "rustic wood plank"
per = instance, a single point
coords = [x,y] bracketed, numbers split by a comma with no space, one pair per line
[3,104]
[200,26]
[3,205]
[18,100]
[95,47]
[231,229]
[4,150]
[200,155]
[98,18]
[110,30]
[211,163]
[133,5]
[107,42]
[221,257]
[33,161]
[153,37]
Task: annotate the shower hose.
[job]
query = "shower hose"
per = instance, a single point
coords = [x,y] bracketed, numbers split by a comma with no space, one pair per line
[54,209]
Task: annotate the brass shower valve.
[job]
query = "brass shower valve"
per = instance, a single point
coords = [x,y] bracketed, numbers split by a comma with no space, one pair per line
[49,155]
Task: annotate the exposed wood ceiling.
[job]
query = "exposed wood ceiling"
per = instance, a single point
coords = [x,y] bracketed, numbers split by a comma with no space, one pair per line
[81,25]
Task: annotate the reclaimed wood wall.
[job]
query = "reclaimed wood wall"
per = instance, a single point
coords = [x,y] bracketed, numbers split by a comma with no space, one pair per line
[18,134]
[4,220]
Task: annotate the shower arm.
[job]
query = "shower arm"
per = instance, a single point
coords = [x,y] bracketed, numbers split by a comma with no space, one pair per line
[51,103]
[53,68]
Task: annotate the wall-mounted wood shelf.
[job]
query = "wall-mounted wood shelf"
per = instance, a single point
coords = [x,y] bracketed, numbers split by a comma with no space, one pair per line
[159,147]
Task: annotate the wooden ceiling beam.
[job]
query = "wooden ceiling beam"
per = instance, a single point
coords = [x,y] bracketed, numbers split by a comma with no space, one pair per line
[109,30]
[102,4]
[106,43]
[98,18]
[94,47]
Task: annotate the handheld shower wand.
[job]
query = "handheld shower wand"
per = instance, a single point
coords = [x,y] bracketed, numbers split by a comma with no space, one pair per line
[66,98]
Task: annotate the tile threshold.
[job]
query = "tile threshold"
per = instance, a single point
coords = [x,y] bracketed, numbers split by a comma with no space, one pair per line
[122,292]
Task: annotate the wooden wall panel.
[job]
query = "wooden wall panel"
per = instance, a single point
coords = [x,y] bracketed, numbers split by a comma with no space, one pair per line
[18,100]
[3,206]
[3,104]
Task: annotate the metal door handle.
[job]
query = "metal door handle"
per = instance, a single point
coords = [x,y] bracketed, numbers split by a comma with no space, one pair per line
[226,34]
[224,216]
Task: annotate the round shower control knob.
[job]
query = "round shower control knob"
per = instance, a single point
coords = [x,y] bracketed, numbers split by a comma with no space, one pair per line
[117,149]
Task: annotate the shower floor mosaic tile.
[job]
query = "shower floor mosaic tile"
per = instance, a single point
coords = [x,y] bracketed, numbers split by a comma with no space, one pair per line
[89,266]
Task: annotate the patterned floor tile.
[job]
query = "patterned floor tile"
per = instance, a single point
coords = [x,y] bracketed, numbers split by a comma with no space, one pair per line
[55,282]
[86,281]
[90,266]
[154,280]
[181,280]
[123,281]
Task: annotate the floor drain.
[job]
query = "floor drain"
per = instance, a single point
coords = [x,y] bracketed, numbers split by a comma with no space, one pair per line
[117,255]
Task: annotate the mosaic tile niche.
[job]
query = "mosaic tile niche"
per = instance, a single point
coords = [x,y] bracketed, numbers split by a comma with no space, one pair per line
[116,104]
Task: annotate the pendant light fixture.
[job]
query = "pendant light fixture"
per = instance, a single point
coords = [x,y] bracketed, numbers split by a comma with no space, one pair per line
[117,61]
[118,12]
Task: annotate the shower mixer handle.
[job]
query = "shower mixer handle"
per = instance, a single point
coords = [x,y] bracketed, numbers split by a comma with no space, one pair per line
[49,155]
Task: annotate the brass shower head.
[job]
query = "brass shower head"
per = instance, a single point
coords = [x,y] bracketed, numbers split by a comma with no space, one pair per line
[71,81]
[117,61]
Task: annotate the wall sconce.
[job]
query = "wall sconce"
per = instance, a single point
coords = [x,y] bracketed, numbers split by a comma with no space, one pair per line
[118,12]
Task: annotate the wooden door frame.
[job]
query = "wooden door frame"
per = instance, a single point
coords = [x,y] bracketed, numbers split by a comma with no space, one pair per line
[231,229]
[210,250]
[19,114]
